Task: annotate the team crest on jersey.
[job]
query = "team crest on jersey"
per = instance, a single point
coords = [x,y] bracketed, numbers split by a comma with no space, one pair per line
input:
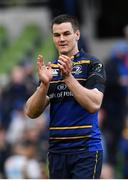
[61,87]
[55,72]
[77,69]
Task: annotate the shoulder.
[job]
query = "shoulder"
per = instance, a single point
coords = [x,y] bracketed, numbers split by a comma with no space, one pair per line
[96,67]
[93,59]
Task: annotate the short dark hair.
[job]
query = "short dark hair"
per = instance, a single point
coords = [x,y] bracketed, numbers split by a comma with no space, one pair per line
[66,18]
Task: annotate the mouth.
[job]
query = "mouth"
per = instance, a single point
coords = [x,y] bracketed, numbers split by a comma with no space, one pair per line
[63,45]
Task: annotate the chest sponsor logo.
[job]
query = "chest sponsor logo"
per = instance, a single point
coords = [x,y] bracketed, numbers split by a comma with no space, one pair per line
[61,94]
[77,69]
[61,87]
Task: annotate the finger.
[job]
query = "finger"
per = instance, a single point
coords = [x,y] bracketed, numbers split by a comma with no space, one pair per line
[39,65]
[67,64]
[62,68]
[65,57]
[49,65]
[67,60]
[62,62]
[40,56]
[40,59]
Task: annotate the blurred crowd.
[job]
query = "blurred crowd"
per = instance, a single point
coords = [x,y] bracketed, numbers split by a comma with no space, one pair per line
[24,141]
[114,112]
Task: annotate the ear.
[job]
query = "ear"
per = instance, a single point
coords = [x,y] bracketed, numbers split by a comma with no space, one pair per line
[77,35]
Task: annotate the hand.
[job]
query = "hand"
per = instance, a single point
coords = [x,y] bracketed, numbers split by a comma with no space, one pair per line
[65,65]
[44,71]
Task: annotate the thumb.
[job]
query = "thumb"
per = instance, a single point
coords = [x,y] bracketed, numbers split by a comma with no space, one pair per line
[49,65]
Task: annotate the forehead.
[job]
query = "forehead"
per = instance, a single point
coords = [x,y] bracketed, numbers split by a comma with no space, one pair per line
[60,28]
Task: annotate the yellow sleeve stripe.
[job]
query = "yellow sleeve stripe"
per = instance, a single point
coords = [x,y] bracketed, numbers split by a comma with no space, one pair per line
[74,63]
[82,62]
[70,127]
[68,138]
[57,81]
[55,65]
[94,172]
[79,79]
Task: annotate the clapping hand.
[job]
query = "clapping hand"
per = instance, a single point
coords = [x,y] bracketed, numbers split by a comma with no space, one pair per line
[65,65]
[44,71]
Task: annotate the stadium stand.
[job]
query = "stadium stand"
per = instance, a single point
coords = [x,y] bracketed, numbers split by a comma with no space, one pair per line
[26,42]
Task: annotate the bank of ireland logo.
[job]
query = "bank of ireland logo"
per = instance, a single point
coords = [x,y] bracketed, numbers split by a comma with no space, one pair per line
[77,69]
[61,87]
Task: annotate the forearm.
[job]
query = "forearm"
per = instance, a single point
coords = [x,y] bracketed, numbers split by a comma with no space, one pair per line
[90,99]
[37,102]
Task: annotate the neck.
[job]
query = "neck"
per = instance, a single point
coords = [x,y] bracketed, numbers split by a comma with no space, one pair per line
[72,53]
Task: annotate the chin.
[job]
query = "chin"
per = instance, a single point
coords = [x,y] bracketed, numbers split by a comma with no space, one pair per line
[63,52]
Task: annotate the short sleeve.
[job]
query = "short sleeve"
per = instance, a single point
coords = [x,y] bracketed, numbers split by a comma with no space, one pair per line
[96,76]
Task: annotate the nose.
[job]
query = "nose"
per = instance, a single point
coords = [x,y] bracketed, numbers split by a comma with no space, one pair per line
[62,37]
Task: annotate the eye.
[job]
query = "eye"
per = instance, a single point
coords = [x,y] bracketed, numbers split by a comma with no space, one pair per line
[67,33]
[56,35]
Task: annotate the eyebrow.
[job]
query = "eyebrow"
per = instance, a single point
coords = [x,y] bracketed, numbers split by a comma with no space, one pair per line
[62,32]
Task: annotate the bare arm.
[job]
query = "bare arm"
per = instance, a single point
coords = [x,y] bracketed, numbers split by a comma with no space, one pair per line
[90,99]
[36,104]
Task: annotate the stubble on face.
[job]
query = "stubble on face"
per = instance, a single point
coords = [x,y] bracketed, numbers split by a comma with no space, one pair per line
[64,38]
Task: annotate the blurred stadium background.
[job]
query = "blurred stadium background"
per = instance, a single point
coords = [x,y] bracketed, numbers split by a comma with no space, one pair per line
[25,33]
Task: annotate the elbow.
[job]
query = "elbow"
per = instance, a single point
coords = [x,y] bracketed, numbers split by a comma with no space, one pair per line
[29,114]
[93,109]
[26,112]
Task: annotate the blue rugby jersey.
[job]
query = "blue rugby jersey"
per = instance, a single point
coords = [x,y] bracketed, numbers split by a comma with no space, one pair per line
[71,126]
